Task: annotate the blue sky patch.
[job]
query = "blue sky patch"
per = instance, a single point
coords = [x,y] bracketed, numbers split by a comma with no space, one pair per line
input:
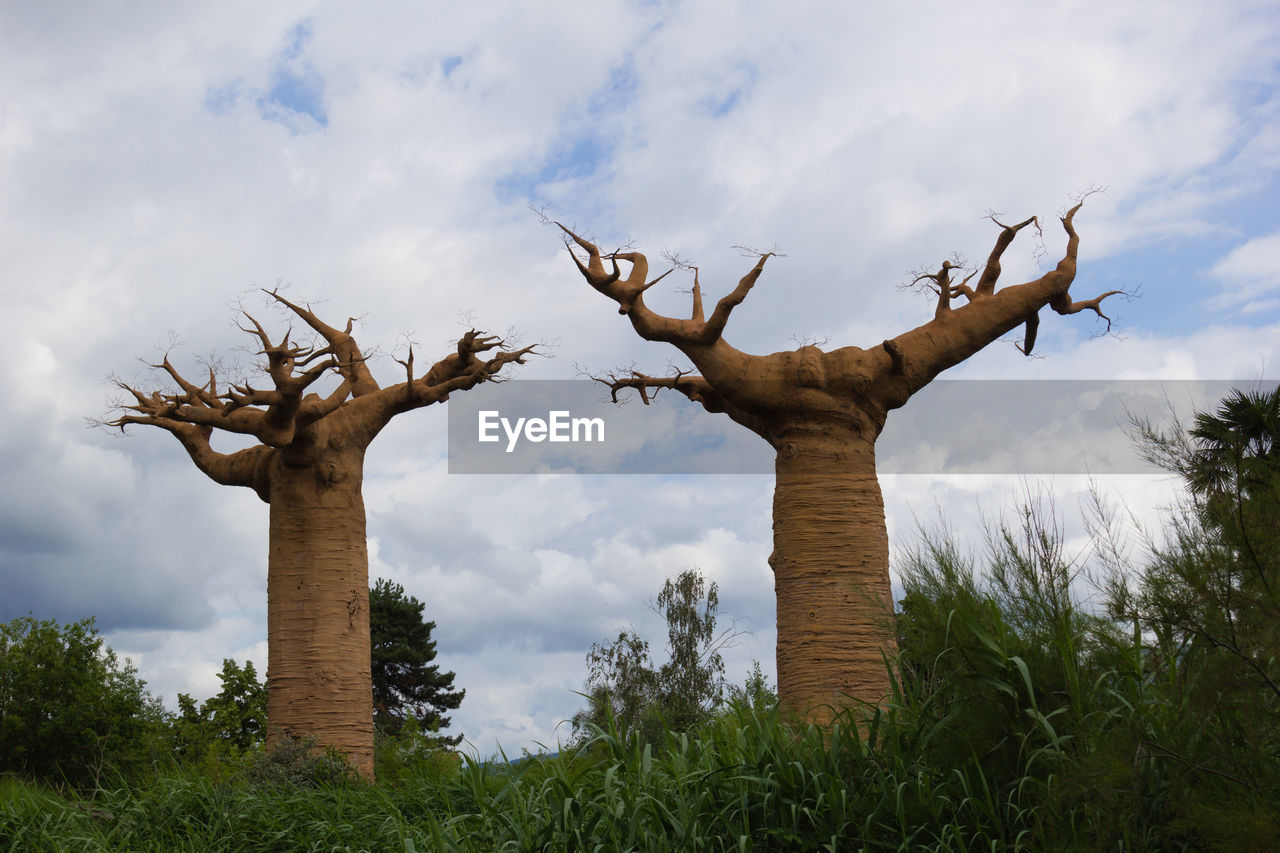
[724,102]
[579,152]
[572,157]
[295,97]
[618,91]
[718,106]
[293,93]
[220,99]
[422,69]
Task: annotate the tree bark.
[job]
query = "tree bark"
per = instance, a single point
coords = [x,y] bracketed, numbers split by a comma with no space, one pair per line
[831,575]
[318,670]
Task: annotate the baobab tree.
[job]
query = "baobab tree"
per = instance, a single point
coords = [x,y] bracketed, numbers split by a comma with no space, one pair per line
[309,467]
[822,413]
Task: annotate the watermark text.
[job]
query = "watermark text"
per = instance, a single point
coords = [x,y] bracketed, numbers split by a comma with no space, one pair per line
[558,426]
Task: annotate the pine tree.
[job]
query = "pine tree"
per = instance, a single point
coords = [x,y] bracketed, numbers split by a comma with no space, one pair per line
[404,679]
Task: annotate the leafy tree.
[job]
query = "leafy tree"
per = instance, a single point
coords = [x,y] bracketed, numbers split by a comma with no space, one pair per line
[404,679]
[692,679]
[1237,449]
[755,692]
[623,684]
[68,707]
[1205,611]
[228,724]
[1212,588]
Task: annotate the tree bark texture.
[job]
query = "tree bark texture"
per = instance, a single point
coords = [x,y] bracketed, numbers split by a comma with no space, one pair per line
[830,564]
[318,670]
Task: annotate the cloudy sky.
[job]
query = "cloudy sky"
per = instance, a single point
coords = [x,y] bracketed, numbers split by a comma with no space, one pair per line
[158,162]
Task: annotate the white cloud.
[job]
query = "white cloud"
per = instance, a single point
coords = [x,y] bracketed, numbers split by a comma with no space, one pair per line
[1248,272]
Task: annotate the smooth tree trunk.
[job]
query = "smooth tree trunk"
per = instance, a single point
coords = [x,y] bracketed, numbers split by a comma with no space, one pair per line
[831,576]
[318,670]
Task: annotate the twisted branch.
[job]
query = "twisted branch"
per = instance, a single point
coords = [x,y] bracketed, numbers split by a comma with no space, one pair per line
[694,332]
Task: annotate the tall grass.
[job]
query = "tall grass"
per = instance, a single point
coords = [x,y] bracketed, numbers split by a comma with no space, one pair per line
[747,782]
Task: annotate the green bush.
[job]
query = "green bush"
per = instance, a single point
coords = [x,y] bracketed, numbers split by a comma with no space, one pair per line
[68,708]
[412,753]
[297,763]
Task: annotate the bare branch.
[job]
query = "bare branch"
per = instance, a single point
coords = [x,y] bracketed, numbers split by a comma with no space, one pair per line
[407,364]
[206,395]
[953,335]
[616,384]
[270,415]
[714,327]
[242,468]
[596,275]
[694,387]
[240,396]
[1063,305]
[1068,261]
[987,284]
[541,213]
[1065,273]
[815,340]
[347,358]
[748,252]
[963,289]
[313,408]
[1029,336]
[697,316]
[195,405]
[258,331]
[644,384]
[628,293]
[678,262]
[455,372]
[1092,189]
[941,286]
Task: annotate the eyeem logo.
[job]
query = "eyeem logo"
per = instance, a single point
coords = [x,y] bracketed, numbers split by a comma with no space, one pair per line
[558,426]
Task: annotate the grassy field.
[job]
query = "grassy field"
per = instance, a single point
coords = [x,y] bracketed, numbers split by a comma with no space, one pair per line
[988,760]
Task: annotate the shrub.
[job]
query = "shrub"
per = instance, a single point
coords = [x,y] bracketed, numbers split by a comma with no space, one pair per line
[68,708]
[298,763]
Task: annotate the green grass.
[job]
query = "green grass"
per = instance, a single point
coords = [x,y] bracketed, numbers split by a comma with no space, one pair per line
[745,783]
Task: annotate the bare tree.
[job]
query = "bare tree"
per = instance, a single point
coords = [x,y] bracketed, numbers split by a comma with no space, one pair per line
[822,412]
[309,467]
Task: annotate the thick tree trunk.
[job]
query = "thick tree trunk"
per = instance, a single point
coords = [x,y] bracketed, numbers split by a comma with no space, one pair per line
[318,671]
[831,575]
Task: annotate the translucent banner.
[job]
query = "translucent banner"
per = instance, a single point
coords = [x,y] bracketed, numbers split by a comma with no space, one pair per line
[953,426]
